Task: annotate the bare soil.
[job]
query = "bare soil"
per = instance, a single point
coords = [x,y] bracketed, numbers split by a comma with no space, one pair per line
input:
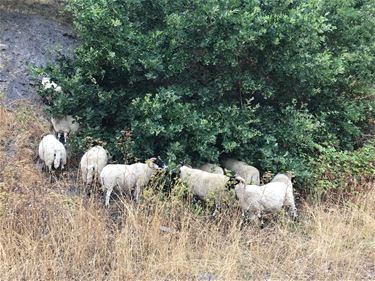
[27,39]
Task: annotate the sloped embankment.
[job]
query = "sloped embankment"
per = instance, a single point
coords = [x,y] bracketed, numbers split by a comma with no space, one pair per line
[27,39]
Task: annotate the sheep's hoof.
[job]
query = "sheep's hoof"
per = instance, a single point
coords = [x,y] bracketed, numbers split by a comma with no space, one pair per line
[215,212]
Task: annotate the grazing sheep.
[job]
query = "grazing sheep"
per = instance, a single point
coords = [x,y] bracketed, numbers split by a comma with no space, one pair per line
[47,84]
[52,153]
[203,184]
[249,173]
[64,126]
[92,163]
[129,178]
[212,168]
[268,198]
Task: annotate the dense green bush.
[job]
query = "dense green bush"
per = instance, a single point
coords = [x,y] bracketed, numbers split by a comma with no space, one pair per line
[269,82]
[339,169]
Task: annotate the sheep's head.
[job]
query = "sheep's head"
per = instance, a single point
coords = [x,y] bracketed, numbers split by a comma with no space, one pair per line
[46,82]
[61,138]
[235,181]
[156,163]
[290,174]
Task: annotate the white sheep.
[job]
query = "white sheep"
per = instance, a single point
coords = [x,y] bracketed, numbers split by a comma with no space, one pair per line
[212,168]
[249,173]
[92,163]
[48,84]
[204,184]
[129,178]
[269,198]
[64,126]
[52,152]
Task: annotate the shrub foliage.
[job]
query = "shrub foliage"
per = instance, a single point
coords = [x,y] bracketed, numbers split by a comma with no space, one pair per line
[269,82]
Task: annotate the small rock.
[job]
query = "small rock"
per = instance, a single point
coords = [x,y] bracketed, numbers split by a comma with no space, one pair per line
[73,191]
[207,276]
[3,78]
[69,35]
[167,229]
[3,47]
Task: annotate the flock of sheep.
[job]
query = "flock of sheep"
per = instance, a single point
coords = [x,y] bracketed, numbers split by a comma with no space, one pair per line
[210,179]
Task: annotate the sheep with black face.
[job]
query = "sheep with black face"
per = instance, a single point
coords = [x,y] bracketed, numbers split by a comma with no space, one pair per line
[64,126]
[61,125]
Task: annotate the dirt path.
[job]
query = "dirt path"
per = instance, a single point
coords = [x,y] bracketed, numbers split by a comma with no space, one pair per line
[27,39]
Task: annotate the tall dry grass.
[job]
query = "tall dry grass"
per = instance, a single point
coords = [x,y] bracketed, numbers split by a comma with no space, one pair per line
[46,233]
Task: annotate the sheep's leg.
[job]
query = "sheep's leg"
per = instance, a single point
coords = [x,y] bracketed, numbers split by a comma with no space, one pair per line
[108,195]
[94,179]
[251,216]
[44,166]
[216,211]
[52,176]
[195,199]
[137,192]
[289,202]
[244,220]
[50,171]
[65,137]
[261,220]
[293,213]
[90,185]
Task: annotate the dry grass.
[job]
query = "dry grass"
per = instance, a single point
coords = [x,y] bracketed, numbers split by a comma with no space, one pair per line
[47,234]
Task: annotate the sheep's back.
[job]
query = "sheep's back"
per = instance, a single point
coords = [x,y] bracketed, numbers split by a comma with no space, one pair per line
[65,124]
[113,174]
[273,196]
[138,173]
[96,156]
[47,147]
[202,183]
[249,173]
[60,125]
[212,168]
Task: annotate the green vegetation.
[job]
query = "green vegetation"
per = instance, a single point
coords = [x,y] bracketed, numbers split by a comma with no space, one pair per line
[279,84]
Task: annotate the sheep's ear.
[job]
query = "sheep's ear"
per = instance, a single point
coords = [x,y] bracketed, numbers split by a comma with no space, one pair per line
[291,174]
[227,172]
[150,162]
[239,179]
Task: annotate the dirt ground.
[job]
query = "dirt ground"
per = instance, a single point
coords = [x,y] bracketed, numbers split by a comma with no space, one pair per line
[27,39]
